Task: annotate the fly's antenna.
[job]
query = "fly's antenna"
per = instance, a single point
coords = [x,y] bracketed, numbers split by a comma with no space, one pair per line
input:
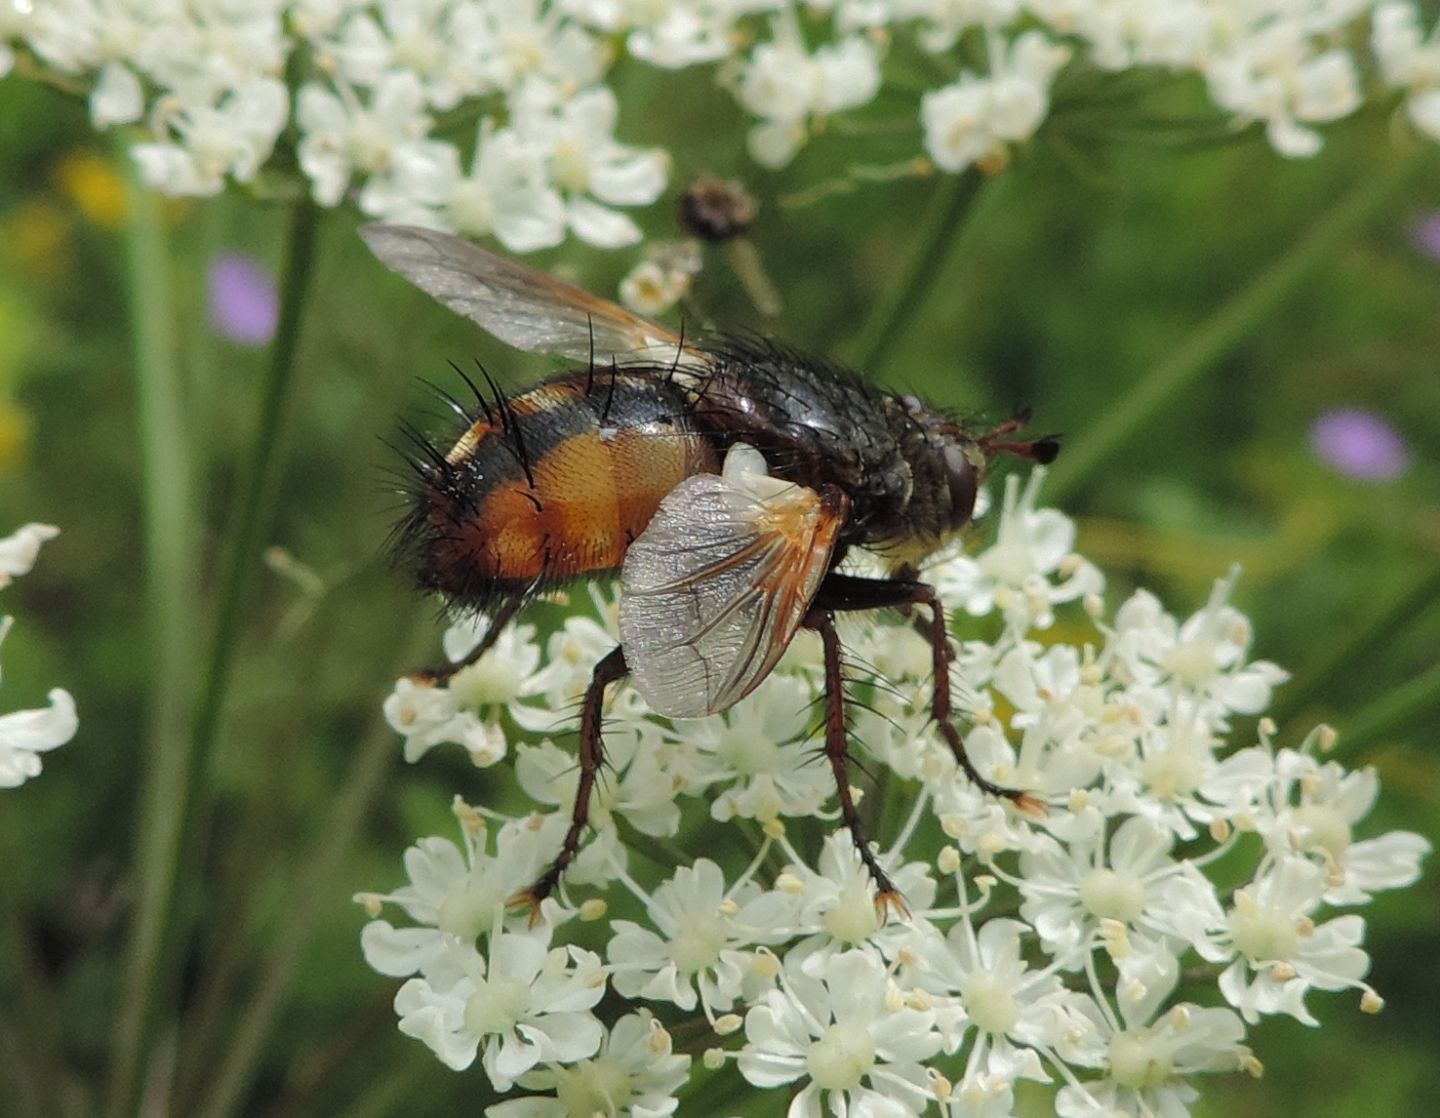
[1042,450]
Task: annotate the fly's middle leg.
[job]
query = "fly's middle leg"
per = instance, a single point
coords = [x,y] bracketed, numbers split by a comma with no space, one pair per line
[887,897]
[846,592]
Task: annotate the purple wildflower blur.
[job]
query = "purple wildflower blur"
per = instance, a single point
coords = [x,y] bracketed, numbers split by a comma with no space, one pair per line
[1359,444]
[244,306]
[1425,234]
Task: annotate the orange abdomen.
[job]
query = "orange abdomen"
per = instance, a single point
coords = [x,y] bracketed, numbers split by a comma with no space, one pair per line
[554,484]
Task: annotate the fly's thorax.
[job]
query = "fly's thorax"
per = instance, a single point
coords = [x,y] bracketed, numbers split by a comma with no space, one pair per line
[551,485]
[816,423]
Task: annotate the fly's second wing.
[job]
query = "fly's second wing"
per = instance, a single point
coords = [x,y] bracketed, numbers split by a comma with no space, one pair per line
[524,307]
[714,588]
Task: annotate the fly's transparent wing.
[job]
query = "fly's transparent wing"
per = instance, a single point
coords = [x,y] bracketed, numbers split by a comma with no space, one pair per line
[521,306]
[714,588]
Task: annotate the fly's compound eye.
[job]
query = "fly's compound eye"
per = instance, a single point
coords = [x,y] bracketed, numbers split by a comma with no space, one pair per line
[964,482]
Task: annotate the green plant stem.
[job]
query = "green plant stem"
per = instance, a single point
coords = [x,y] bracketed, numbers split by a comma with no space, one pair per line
[1393,710]
[1226,328]
[203,349]
[175,822]
[171,564]
[28,1044]
[943,220]
[1358,646]
[23,1085]
[315,894]
[393,1093]
[260,476]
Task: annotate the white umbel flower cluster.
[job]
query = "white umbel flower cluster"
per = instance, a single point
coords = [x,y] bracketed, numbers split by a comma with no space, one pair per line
[26,734]
[213,86]
[1047,950]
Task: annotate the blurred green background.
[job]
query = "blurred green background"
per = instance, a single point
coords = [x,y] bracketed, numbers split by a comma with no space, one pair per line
[1181,302]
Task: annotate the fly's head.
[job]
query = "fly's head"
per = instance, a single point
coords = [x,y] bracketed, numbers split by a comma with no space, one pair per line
[962,460]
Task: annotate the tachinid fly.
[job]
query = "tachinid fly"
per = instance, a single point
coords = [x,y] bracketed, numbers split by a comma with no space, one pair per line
[724,480]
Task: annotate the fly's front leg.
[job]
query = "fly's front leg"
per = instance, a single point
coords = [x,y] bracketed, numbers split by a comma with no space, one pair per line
[887,897]
[845,592]
[592,755]
[941,706]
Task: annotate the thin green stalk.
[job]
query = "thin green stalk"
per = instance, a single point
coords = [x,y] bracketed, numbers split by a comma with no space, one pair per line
[1358,645]
[943,220]
[24,1085]
[260,476]
[203,350]
[315,895]
[1226,328]
[176,819]
[1393,710]
[392,1093]
[28,1044]
[895,796]
[171,562]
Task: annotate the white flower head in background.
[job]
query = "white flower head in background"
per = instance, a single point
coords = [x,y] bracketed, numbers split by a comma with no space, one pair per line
[1097,950]
[788,87]
[592,170]
[1050,950]
[520,1004]
[206,83]
[1410,61]
[848,1034]
[26,734]
[977,118]
[635,1073]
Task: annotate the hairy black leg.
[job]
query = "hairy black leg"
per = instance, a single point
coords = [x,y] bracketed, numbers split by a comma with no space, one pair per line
[503,616]
[887,897]
[592,755]
[845,592]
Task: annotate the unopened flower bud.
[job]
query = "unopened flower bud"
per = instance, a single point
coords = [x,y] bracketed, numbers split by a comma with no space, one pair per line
[593,909]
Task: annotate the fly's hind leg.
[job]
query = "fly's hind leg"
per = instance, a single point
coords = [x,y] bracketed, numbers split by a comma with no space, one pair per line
[845,592]
[887,897]
[611,667]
